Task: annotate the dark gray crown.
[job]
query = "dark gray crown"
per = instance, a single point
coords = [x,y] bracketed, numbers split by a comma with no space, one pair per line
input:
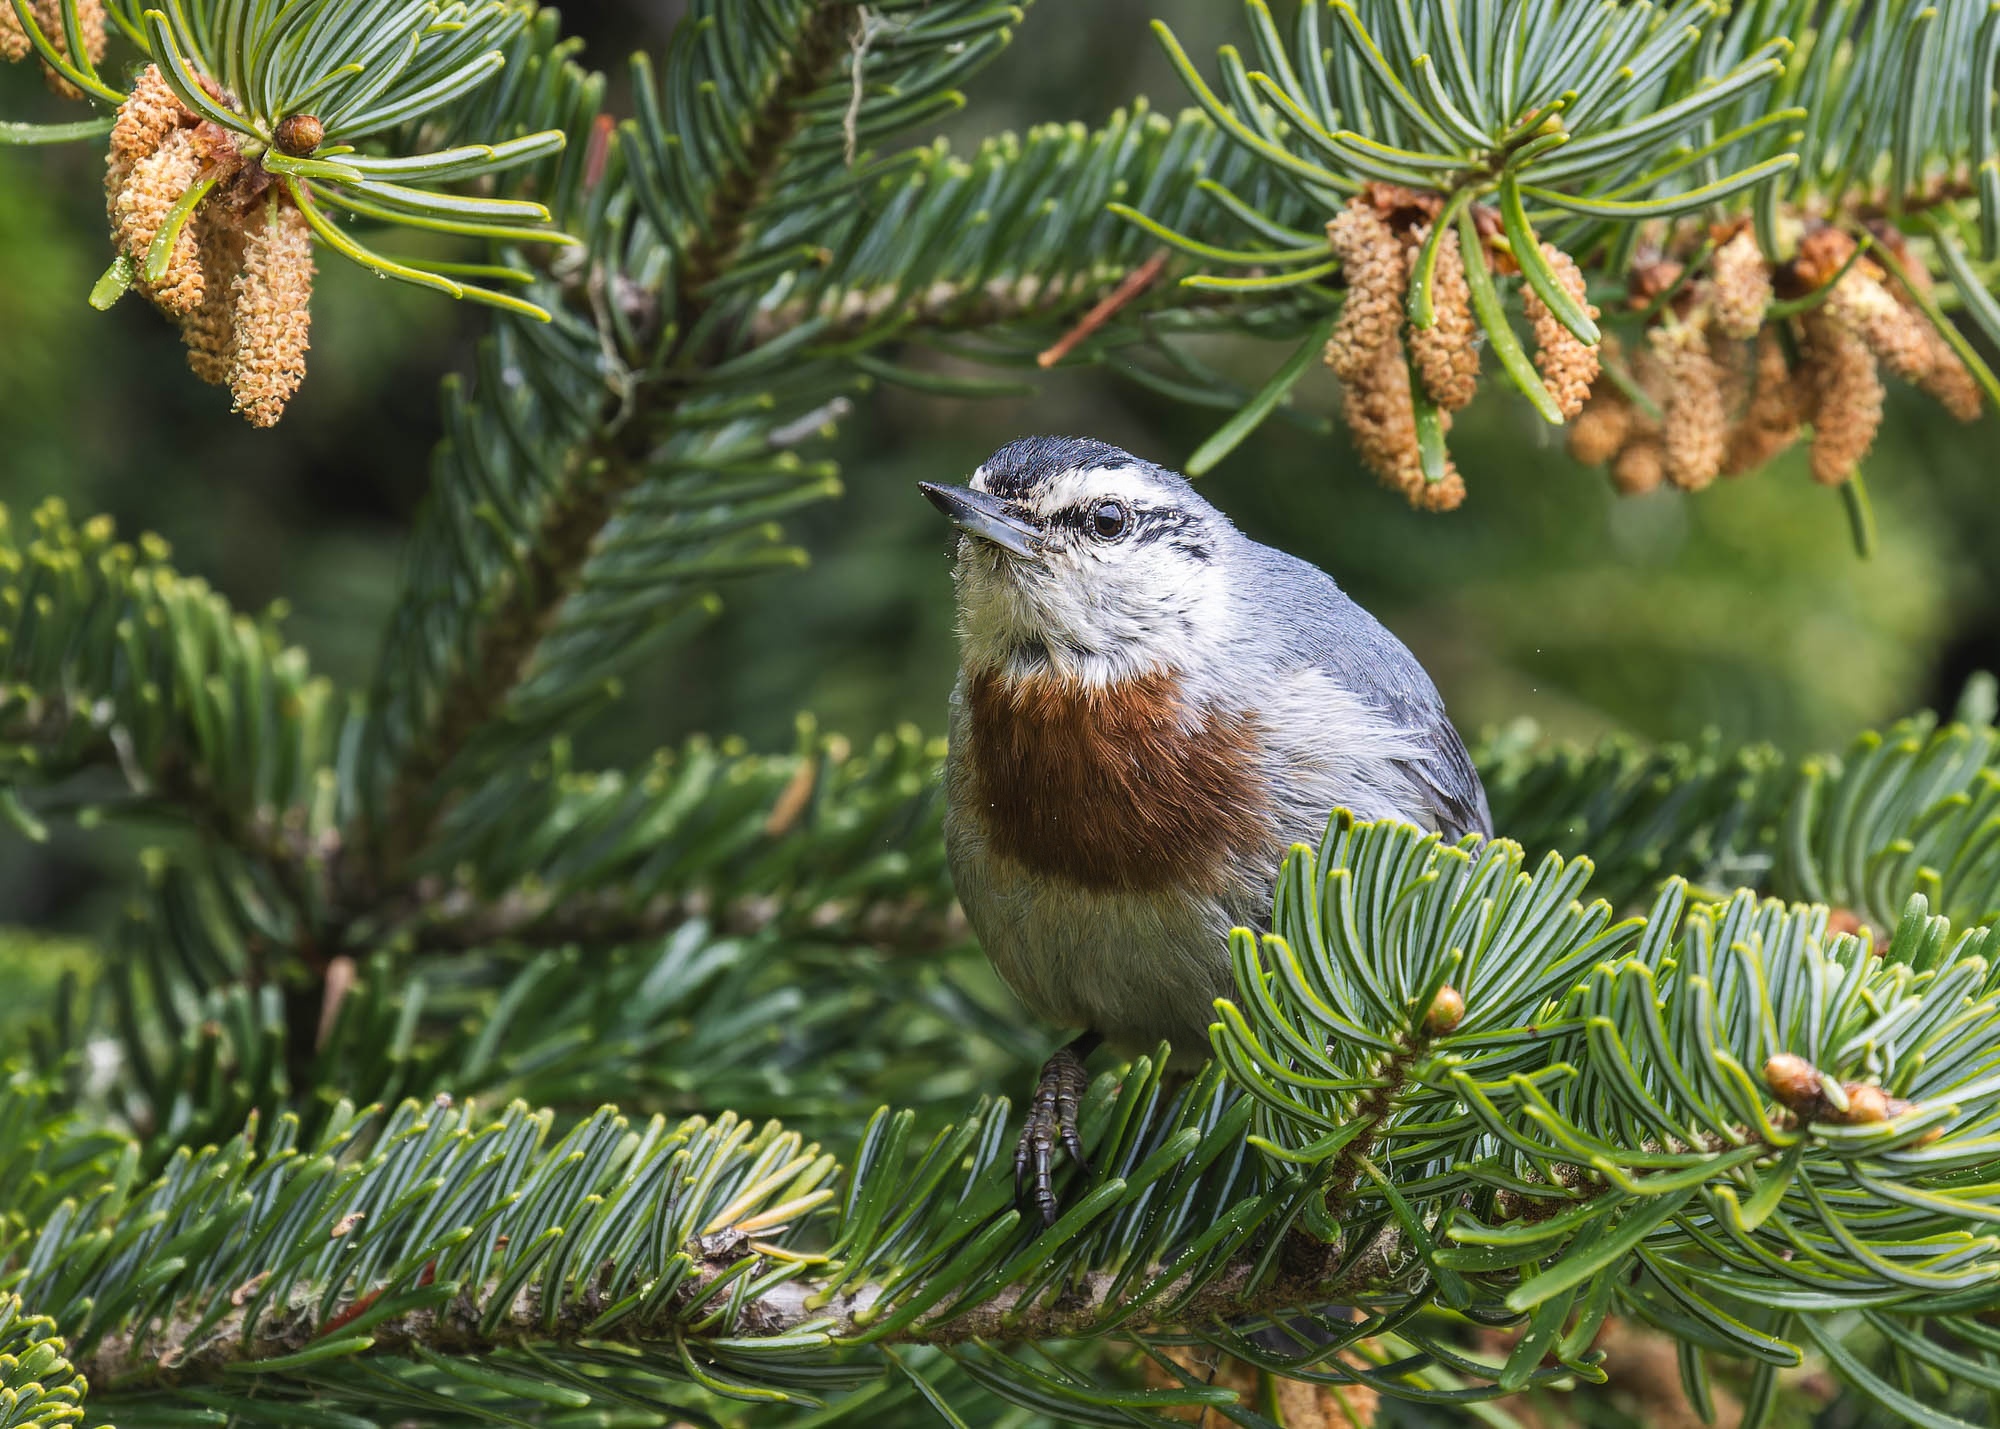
[1019,468]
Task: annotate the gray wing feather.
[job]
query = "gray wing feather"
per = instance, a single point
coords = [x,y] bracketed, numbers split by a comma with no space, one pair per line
[1318,625]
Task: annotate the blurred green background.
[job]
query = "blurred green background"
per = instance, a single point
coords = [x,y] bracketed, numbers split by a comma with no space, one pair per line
[1546,597]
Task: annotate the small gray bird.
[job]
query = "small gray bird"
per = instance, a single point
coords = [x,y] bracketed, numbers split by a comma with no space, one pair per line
[1151,708]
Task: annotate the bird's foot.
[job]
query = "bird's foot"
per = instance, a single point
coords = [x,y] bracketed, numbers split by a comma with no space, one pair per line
[1052,1121]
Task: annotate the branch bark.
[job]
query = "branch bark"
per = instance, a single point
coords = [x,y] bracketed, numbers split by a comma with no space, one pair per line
[461,920]
[167,1359]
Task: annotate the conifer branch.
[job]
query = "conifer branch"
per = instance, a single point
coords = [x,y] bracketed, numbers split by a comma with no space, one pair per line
[802,1308]
[1862,1131]
[602,470]
[455,921]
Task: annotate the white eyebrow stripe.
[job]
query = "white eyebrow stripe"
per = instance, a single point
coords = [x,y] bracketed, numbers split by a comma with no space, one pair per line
[1071,488]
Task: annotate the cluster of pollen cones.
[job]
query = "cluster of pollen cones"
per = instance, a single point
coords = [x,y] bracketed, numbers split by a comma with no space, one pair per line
[16,46]
[1375,350]
[238,277]
[1721,385]
[1728,385]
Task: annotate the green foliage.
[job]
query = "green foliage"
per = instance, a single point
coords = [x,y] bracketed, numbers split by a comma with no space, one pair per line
[1451,1090]
[1907,811]
[1601,1104]
[113,659]
[42,974]
[37,1385]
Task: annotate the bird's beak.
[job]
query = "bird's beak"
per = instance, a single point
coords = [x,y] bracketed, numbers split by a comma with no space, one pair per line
[977,514]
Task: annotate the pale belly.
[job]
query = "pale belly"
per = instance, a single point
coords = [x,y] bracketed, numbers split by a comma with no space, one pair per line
[1139,968]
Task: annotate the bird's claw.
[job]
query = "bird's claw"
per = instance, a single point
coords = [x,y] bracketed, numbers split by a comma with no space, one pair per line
[1051,1120]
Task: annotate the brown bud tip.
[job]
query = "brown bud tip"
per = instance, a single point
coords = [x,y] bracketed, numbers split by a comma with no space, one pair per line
[1822,253]
[1866,1104]
[1899,1107]
[1447,1010]
[298,135]
[1843,920]
[1794,1082]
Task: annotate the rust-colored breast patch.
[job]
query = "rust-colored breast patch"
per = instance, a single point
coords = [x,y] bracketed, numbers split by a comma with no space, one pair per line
[1111,788]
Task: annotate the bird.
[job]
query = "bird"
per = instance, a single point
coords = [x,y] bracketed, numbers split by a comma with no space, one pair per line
[1150,709]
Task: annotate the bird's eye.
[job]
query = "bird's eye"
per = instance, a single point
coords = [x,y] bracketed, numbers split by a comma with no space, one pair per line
[1109,521]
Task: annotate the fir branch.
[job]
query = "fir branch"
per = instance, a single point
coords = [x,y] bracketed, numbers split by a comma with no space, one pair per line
[597,474]
[451,921]
[114,661]
[472,1325]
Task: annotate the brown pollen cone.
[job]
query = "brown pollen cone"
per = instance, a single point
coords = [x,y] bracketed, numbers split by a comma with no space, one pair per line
[14,43]
[270,301]
[1845,390]
[90,27]
[1601,428]
[210,330]
[1694,431]
[148,115]
[1568,365]
[1948,380]
[1371,257]
[1740,287]
[1951,382]
[1383,427]
[1447,352]
[1778,406]
[1640,466]
[1899,338]
[140,208]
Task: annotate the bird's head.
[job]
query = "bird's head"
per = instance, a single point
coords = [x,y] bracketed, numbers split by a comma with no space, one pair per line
[1084,563]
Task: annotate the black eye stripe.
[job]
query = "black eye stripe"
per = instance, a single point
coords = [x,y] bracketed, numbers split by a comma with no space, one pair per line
[1145,524]
[1080,517]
